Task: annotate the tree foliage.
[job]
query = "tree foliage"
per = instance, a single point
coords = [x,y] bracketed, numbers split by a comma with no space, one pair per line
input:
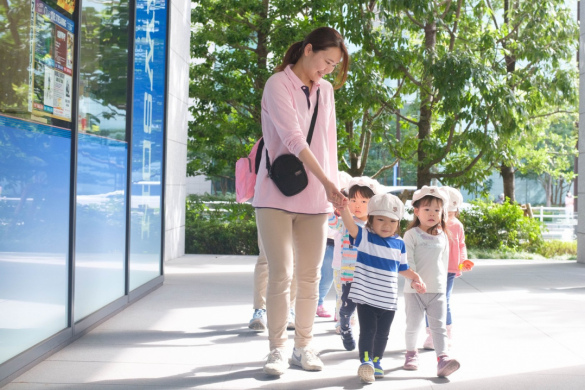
[452,59]
[236,45]
[461,80]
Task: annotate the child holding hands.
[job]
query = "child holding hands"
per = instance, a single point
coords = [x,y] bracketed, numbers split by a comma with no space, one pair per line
[359,191]
[381,257]
[427,248]
[457,256]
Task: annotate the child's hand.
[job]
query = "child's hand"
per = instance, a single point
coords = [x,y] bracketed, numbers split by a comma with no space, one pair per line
[420,286]
[466,265]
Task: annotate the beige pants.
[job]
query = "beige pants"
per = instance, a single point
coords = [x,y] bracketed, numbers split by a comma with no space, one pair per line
[285,235]
[261,280]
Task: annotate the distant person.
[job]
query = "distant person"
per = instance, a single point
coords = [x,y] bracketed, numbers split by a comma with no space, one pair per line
[381,256]
[501,199]
[427,249]
[295,227]
[569,206]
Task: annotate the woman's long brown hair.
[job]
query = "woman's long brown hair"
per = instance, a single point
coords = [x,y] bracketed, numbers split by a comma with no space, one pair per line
[321,38]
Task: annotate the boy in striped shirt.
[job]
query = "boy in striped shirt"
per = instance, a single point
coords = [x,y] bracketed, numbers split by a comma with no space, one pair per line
[381,257]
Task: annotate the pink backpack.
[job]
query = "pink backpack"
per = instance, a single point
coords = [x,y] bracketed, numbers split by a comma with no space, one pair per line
[246,171]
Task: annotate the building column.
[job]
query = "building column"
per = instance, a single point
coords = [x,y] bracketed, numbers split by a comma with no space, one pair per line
[176,127]
[581,165]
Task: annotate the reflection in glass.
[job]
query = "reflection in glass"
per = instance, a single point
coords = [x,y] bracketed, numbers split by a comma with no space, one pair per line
[147,141]
[102,157]
[101,223]
[103,69]
[36,37]
[34,233]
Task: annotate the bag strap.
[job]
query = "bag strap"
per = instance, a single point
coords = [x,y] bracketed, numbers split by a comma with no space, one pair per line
[258,155]
[309,136]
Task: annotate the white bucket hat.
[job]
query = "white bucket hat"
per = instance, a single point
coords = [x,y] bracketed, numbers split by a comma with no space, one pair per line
[387,205]
[455,198]
[343,178]
[431,191]
[364,181]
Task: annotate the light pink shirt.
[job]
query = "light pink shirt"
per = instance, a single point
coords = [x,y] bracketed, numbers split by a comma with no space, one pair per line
[457,247]
[286,119]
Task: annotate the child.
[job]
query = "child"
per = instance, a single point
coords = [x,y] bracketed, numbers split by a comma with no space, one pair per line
[457,255]
[332,259]
[381,257]
[360,190]
[428,254]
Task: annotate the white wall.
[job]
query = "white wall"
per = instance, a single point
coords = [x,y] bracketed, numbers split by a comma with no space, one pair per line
[176,127]
[198,185]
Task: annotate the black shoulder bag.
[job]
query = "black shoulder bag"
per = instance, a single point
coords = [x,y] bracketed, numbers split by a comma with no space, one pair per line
[287,171]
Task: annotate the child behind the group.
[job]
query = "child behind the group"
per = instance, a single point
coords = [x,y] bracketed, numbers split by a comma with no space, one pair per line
[457,255]
[381,257]
[360,190]
[427,250]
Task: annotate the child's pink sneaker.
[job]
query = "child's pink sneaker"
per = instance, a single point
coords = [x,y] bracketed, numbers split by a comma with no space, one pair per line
[446,366]
[411,361]
[321,312]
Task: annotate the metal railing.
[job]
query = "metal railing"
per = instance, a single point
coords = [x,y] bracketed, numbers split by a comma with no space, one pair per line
[559,223]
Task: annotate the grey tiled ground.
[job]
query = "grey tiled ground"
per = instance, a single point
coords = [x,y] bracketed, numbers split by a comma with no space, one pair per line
[517,325]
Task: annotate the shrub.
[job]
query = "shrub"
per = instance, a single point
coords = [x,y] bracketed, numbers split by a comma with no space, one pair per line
[557,248]
[227,228]
[494,226]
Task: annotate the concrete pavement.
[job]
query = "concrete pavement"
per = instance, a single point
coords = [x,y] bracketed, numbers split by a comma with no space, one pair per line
[518,324]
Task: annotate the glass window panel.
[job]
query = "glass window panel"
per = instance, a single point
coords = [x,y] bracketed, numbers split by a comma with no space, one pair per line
[37,57]
[102,156]
[34,233]
[147,141]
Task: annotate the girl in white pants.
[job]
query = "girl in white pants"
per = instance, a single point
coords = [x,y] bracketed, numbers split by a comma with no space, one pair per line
[427,251]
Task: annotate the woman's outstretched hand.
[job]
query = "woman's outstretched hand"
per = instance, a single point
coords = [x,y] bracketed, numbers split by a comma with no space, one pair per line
[334,196]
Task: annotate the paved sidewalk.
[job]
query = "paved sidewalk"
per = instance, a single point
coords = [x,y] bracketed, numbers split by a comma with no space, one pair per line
[517,325]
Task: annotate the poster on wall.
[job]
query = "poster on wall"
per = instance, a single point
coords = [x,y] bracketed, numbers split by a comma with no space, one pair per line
[52,61]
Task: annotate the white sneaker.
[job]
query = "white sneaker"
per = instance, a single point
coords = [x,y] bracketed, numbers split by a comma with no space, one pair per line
[276,363]
[258,321]
[306,358]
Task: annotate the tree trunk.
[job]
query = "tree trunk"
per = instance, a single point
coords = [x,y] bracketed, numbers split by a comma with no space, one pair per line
[508,178]
[548,191]
[507,172]
[423,174]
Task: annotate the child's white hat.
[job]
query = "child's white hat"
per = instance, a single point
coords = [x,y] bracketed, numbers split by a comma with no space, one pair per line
[455,198]
[387,205]
[431,191]
[364,181]
[343,178]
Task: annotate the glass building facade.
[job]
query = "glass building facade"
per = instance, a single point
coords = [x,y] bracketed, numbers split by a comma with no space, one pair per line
[83,90]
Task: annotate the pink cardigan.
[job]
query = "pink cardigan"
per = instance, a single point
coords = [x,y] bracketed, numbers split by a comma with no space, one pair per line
[286,119]
[457,247]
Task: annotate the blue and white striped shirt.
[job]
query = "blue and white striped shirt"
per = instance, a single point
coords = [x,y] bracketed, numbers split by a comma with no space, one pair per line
[375,280]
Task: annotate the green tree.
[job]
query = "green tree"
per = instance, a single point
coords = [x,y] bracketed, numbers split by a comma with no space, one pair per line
[452,59]
[549,157]
[237,44]
[538,41]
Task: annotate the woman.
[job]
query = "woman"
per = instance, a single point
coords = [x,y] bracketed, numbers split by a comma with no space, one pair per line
[298,224]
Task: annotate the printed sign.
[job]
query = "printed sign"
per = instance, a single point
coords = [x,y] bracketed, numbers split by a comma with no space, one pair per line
[52,61]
